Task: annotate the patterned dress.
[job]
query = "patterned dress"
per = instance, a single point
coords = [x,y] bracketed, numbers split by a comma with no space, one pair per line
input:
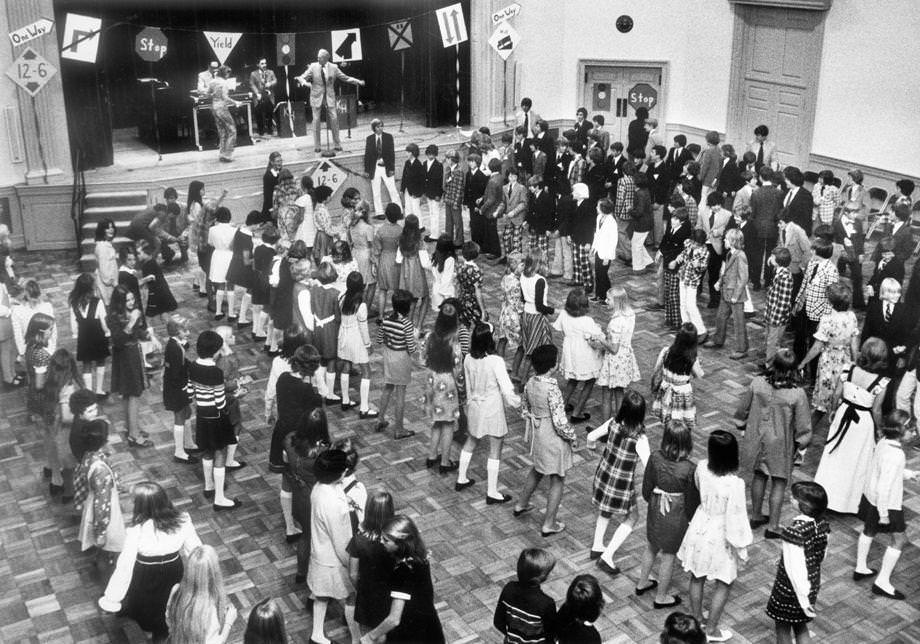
[619,369]
[551,437]
[445,391]
[836,330]
[674,398]
[614,478]
[810,536]
[386,243]
[509,320]
[37,361]
[469,276]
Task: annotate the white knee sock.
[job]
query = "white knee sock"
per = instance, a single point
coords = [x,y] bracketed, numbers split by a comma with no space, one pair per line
[365,394]
[220,475]
[492,466]
[319,381]
[88,381]
[245,301]
[889,560]
[219,302]
[287,510]
[208,467]
[231,303]
[344,380]
[179,442]
[600,530]
[100,380]
[257,322]
[619,536]
[465,458]
[330,385]
[231,455]
[863,545]
[319,617]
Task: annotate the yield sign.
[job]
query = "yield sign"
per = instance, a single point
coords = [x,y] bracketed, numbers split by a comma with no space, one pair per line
[504,40]
[400,34]
[222,43]
[452,25]
[31,72]
[346,45]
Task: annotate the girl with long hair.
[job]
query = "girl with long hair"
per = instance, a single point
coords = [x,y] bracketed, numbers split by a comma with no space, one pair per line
[675,367]
[106,258]
[129,329]
[509,317]
[63,379]
[157,539]
[37,357]
[220,239]
[535,330]
[370,566]
[414,264]
[328,225]
[343,263]
[240,272]
[361,238]
[31,301]
[198,610]
[266,624]
[443,269]
[88,326]
[287,214]
[101,524]
[444,387]
[619,368]
[355,343]
[327,317]
[412,616]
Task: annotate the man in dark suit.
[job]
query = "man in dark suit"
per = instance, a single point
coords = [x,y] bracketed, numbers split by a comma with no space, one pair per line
[434,189]
[657,174]
[521,151]
[269,181]
[559,163]
[543,140]
[541,215]
[262,83]
[888,265]
[729,181]
[766,204]
[615,164]
[798,201]
[491,205]
[476,182]
[674,162]
[848,232]
[380,164]
[887,318]
[901,235]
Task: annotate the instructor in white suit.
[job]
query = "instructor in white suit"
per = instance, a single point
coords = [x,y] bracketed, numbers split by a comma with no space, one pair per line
[321,76]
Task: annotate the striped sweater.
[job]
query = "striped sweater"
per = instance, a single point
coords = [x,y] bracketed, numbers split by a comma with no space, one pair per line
[206,388]
[397,334]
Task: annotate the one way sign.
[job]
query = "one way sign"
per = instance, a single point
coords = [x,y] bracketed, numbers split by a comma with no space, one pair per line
[504,40]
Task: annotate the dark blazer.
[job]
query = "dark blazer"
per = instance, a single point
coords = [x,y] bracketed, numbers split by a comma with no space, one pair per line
[595,178]
[475,188]
[523,159]
[541,215]
[493,197]
[674,163]
[565,215]
[672,242]
[636,136]
[903,244]
[729,181]
[894,268]
[800,209]
[269,181]
[614,172]
[584,220]
[388,153]
[434,179]
[582,130]
[766,204]
[895,332]
[658,183]
[539,163]
[641,213]
[857,239]
[413,178]
[560,171]
[546,143]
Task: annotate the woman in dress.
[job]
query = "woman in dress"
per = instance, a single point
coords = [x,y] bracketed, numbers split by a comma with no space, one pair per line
[328,224]
[355,343]
[198,610]
[263,257]
[361,239]
[327,316]
[129,329]
[414,264]
[281,307]
[194,208]
[718,535]
[342,262]
[301,447]
[552,439]
[412,617]
[774,420]
[386,244]
[509,317]
[101,524]
[157,539]
[175,387]
[443,271]
[106,259]
[240,272]
[535,330]
[675,367]
[220,238]
[469,283]
[37,360]
[837,342]
[619,368]
[287,213]
[400,343]
[370,565]
[488,390]
[847,456]
[444,387]
[160,299]
[88,326]
[581,361]
[219,90]
[672,497]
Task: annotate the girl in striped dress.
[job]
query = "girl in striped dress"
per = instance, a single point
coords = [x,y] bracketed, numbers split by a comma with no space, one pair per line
[397,335]
[213,429]
[675,367]
[534,325]
[615,477]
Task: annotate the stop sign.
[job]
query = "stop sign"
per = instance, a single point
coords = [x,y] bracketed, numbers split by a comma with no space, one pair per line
[643,95]
[150,44]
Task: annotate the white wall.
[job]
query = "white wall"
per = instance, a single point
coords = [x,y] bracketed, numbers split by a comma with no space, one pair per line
[868,109]
[9,173]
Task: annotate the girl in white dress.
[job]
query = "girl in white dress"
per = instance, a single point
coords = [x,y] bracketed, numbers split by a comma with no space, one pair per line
[443,267]
[354,341]
[220,238]
[719,533]
[581,362]
[619,368]
[488,390]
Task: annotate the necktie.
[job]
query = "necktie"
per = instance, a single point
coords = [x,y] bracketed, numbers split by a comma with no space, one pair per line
[888,312]
[379,148]
[526,124]
[322,70]
[509,192]
[788,198]
[760,156]
[712,220]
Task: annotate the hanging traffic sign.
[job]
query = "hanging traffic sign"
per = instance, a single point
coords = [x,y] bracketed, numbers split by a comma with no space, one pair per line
[222,43]
[38,28]
[81,37]
[504,39]
[400,34]
[346,45]
[452,25]
[326,173]
[507,13]
[643,95]
[150,44]
[30,71]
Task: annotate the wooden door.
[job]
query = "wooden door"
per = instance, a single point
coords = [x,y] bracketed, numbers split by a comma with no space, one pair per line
[780,53]
[606,91]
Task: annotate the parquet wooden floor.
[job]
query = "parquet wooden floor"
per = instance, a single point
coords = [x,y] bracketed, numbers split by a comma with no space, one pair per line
[50,587]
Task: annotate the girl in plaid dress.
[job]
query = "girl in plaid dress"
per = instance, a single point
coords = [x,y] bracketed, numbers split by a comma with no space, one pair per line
[675,367]
[614,479]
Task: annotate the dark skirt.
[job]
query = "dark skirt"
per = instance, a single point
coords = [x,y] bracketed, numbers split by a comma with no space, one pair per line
[159,297]
[868,514]
[151,583]
[128,377]
[261,290]
[92,345]
[174,398]
[212,434]
[204,259]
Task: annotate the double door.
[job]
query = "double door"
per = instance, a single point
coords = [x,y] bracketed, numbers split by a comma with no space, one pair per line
[606,91]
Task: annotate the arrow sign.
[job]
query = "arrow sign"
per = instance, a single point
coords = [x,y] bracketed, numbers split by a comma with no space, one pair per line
[400,34]
[31,72]
[346,45]
[81,37]
[452,25]
[505,40]
[507,13]
[222,43]
[38,28]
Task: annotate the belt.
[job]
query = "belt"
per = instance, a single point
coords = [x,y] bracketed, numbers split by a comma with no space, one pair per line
[321,322]
[664,507]
[850,415]
[156,560]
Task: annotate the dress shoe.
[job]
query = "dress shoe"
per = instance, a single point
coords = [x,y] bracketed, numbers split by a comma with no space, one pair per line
[243,325]
[431,462]
[595,554]
[444,469]
[516,513]
[652,585]
[671,604]
[722,635]
[224,508]
[239,465]
[606,567]
[556,529]
[756,523]
[430,239]
[859,576]
[897,594]
[770,534]
[381,425]
[337,148]
[188,460]
[333,401]
[491,500]
[462,486]
[349,405]
[370,413]
[293,538]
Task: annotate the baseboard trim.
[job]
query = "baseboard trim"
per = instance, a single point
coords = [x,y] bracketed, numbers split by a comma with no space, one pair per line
[872,176]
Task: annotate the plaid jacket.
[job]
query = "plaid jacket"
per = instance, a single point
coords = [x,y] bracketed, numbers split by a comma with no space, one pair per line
[454,183]
[779,297]
[692,261]
[820,274]
[626,194]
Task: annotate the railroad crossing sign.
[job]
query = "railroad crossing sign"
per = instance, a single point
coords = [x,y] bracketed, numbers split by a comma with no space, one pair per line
[150,44]
[31,72]
[400,34]
[452,25]
[329,174]
[504,39]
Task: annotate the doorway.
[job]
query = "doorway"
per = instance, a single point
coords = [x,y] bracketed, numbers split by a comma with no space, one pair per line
[606,88]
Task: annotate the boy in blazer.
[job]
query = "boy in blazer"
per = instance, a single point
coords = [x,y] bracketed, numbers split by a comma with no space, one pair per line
[887,318]
[540,219]
[454,178]
[710,164]
[380,164]
[732,284]
[766,204]
[798,202]
[514,200]
[715,221]
[476,181]
[413,182]
[890,266]
[490,205]
[848,233]
[434,189]
[678,155]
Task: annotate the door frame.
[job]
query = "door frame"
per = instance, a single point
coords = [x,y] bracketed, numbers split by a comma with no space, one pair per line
[736,82]
[663,65]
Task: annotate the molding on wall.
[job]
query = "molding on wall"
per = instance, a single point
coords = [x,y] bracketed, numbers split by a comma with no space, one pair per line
[872,176]
[816,5]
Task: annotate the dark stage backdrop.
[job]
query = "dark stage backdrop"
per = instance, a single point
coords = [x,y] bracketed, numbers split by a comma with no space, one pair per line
[107,95]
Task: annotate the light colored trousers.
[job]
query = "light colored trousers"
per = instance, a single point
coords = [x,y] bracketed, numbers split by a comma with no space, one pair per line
[640,257]
[380,176]
[413,205]
[563,261]
[689,309]
[435,210]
